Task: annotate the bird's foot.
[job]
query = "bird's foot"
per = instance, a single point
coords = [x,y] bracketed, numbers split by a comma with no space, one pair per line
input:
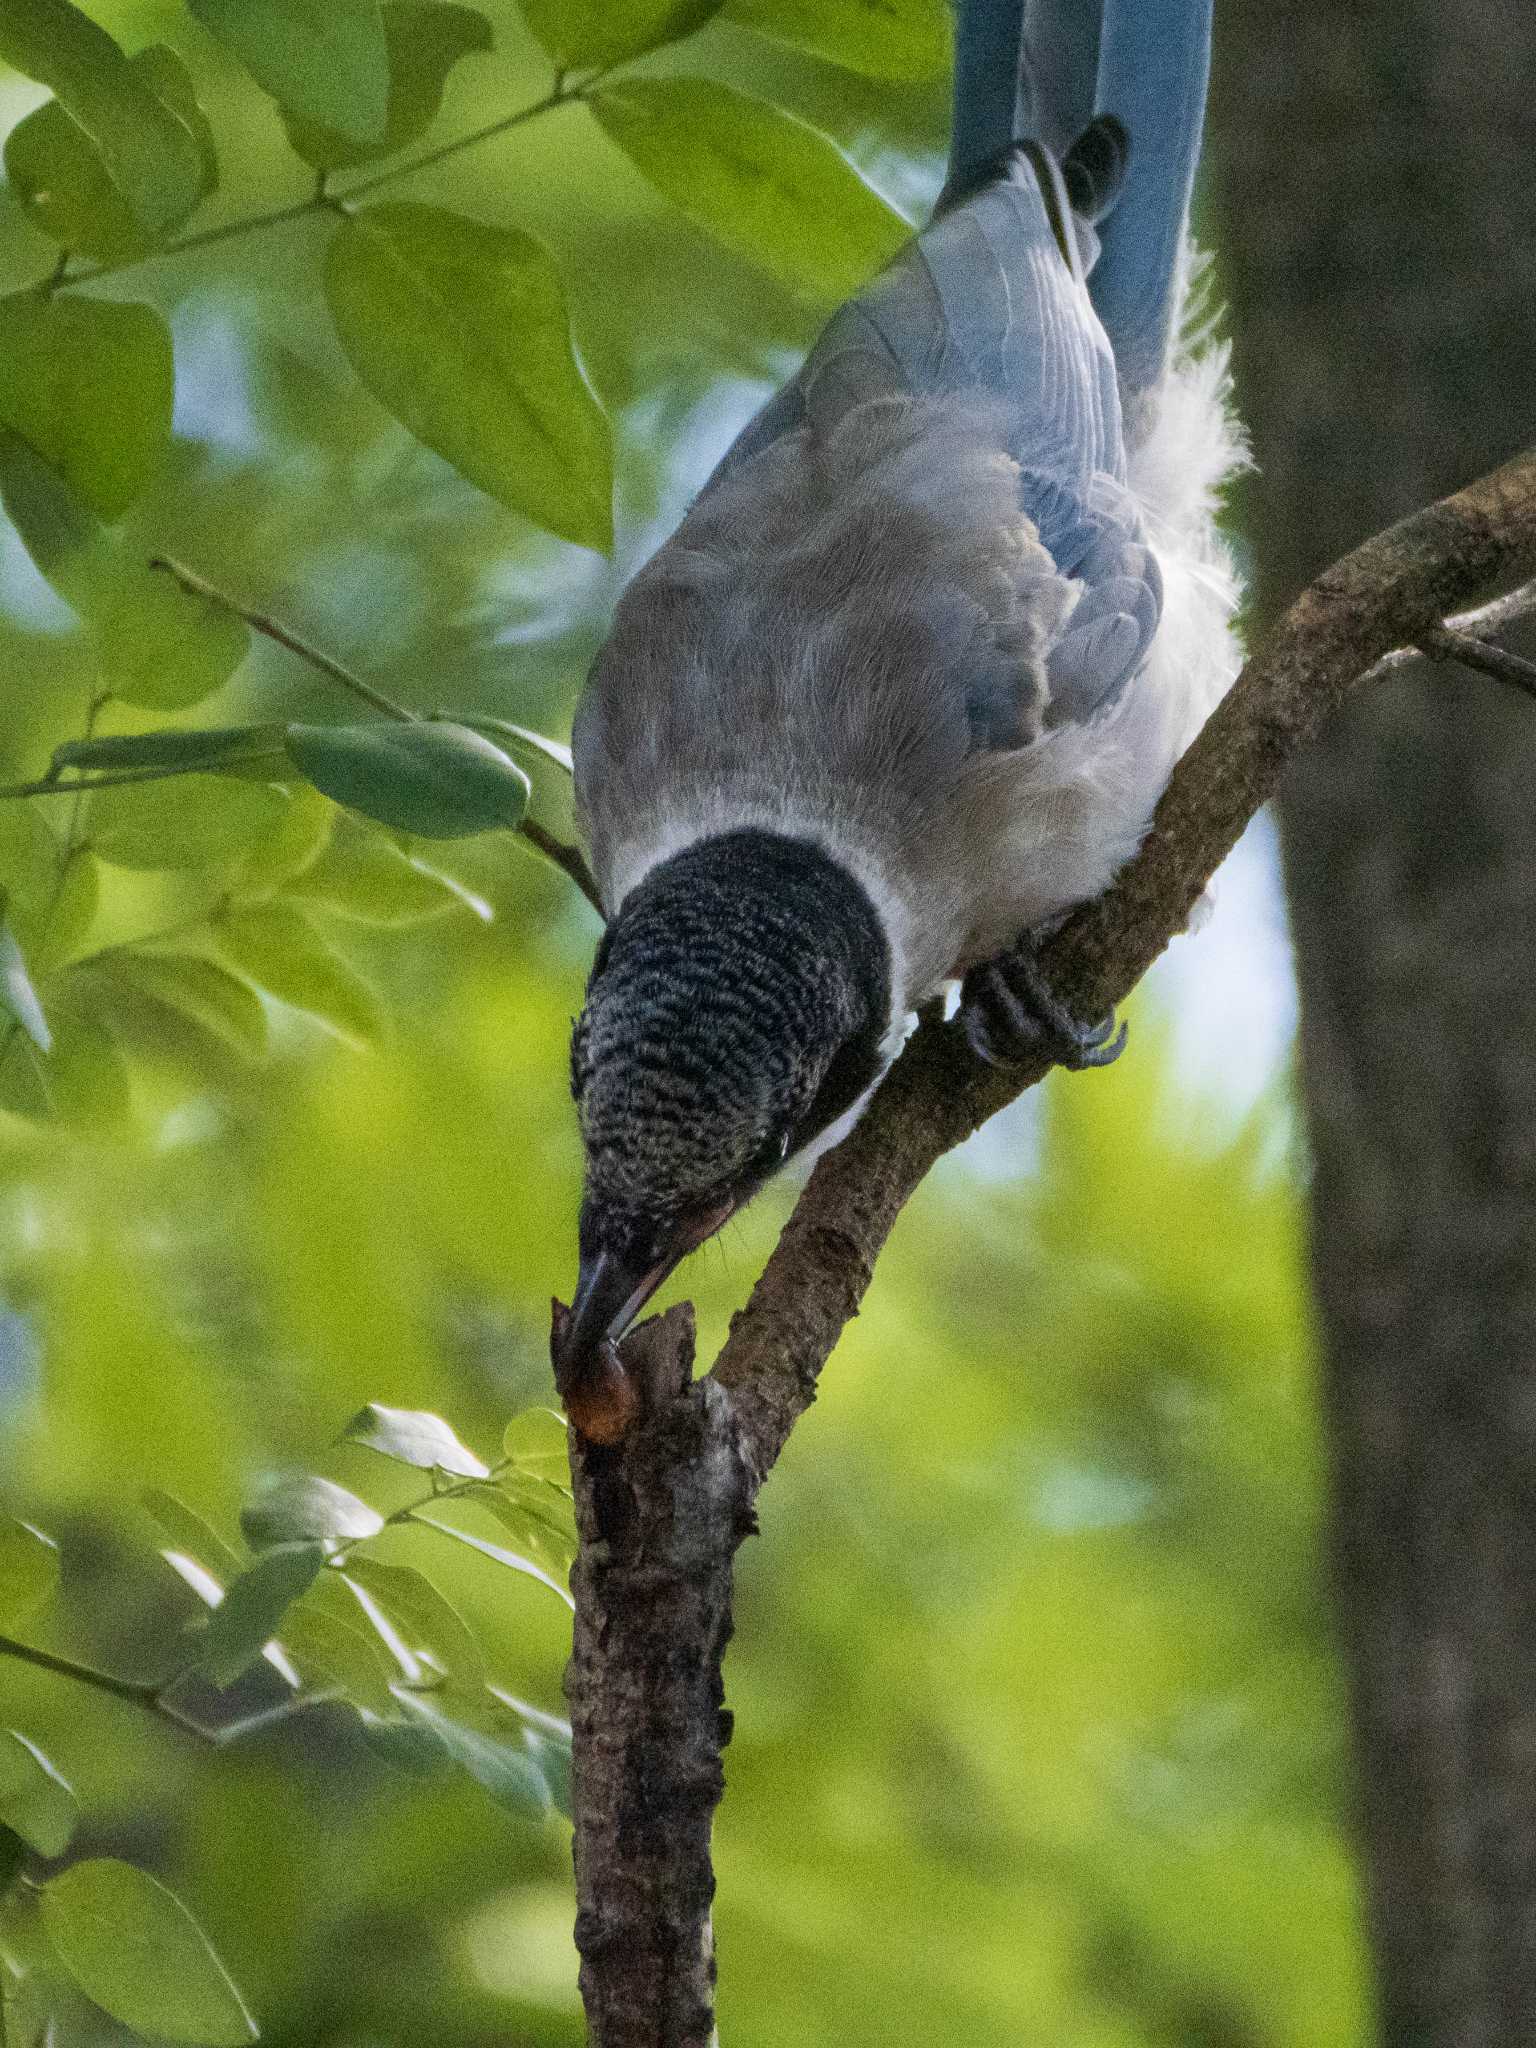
[1013,1015]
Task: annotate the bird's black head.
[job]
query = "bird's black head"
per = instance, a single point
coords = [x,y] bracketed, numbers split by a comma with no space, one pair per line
[736,1008]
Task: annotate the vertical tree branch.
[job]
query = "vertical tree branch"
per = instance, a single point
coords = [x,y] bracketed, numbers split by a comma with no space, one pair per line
[659,1517]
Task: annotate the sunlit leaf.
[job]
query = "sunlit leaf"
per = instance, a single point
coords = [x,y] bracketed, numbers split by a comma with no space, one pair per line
[905,40]
[497,1553]
[199,989]
[414,1437]
[278,947]
[441,781]
[535,1515]
[88,383]
[760,180]
[87,1076]
[537,1440]
[18,998]
[189,1532]
[368,877]
[133,1947]
[579,33]
[424,43]
[503,1769]
[190,821]
[325,60]
[330,1651]
[35,1796]
[427,1622]
[461,330]
[63,185]
[165,648]
[29,1571]
[537,742]
[307,1509]
[251,1613]
[151,155]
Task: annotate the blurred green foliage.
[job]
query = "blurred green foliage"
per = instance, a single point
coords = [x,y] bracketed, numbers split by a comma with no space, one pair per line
[1037,1722]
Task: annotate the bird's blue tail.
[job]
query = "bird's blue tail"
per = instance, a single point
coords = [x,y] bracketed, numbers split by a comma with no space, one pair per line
[1042,69]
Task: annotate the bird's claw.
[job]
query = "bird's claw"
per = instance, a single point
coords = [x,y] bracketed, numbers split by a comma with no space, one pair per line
[1013,1015]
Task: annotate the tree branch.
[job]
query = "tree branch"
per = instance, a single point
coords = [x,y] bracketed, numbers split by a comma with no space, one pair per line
[661,1513]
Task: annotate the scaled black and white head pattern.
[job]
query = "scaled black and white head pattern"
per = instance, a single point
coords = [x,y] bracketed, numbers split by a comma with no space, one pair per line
[736,1007]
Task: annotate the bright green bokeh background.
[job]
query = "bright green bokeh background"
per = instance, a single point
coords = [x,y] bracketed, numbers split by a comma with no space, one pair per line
[1038,1730]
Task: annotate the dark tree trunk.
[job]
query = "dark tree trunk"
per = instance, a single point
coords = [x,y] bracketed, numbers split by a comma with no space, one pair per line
[1375,170]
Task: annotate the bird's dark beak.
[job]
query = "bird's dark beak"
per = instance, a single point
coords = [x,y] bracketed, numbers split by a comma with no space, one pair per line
[612,1288]
[610,1292]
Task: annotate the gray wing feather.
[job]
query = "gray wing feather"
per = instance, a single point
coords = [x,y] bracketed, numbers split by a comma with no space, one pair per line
[983,304]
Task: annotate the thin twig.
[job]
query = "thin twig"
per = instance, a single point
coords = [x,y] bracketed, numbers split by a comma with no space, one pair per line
[1483,620]
[569,859]
[1445,645]
[566,857]
[274,629]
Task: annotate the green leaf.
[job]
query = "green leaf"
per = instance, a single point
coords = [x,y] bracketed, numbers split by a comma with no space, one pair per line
[89,383]
[133,1947]
[506,1771]
[57,528]
[190,1534]
[426,1622]
[579,33]
[35,1796]
[308,1510]
[163,647]
[329,1649]
[326,60]
[18,998]
[761,181]
[210,747]
[63,932]
[497,1554]
[251,1613]
[29,1570]
[442,781]
[64,187]
[461,330]
[279,949]
[413,1437]
[424,43]
[537,742]
[538,1518]
[148,152]
[903,40]
[197,988]
[407,1745]
[537,1441]
[190,821]
[370,878]
[86,1076]
[290,851]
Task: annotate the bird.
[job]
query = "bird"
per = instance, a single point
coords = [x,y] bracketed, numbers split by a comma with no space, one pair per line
[904,686]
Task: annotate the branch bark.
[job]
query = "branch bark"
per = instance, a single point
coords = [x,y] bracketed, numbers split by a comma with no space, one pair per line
[662,1513]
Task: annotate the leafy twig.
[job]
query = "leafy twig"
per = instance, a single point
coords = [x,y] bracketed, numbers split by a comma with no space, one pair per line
[322,199]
